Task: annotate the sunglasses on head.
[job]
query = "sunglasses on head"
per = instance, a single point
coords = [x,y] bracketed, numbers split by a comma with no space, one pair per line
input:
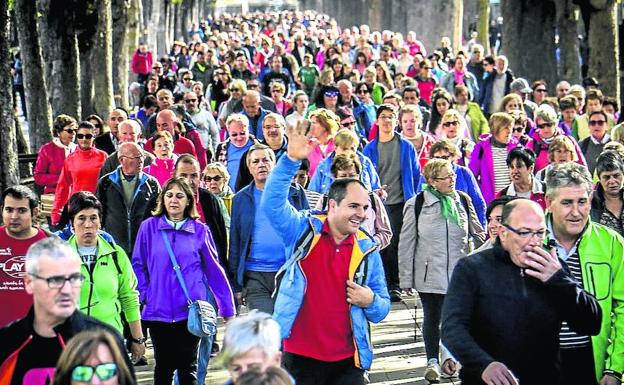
[216,178]
[84,373]
[84,136]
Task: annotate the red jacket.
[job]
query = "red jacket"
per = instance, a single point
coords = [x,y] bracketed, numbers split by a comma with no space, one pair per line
[142,62]
[48,167]
[80,173]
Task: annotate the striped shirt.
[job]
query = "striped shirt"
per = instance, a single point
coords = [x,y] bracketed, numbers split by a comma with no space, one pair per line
[569,339]
[501,173]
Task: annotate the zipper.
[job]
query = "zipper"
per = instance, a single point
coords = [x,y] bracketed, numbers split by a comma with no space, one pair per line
[426,271]
[90,271]
[591,277]
[448,254]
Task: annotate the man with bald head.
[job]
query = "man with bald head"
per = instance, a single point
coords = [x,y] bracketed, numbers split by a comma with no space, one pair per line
[128,131]
[254,112]
[109,141]
[124,194]
[168,121]
[504,306]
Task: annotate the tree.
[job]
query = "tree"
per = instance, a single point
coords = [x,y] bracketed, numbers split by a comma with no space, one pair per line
[101,60]
[39,112]
[602,39]
[9,174]
[60,50]
[529,38]
[483,24]
[567,26]
[119,13]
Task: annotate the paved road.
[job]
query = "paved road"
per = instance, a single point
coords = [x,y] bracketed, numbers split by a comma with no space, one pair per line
[399,359]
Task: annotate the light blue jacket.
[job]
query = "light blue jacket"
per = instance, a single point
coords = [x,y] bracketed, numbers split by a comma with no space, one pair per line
[323,178]
[410,169]
[365,266]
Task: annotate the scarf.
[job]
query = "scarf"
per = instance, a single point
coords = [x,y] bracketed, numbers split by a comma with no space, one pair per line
[449,206]
[459,77]
[68,149]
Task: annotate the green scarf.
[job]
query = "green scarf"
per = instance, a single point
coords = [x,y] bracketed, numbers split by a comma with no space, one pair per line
[449,206]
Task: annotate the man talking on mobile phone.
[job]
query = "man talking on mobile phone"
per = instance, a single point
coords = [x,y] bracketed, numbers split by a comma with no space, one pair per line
[504,307]
[594,255]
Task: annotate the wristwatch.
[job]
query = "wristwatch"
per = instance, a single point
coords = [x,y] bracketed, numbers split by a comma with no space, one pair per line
[140,340]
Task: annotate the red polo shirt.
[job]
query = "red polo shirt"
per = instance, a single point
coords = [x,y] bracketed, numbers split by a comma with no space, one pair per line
[322,329]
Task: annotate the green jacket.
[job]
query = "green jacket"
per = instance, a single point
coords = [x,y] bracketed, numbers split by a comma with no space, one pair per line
[600,252]
[111,287]
[478,122]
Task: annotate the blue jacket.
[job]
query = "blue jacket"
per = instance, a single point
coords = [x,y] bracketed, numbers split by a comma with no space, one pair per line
[365,266]
[410,169]
[365,117]
[256,129]
[323,178]
[195,251]
[467,183]
[241,228]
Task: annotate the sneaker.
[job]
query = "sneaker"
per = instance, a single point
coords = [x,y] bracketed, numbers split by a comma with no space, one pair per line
[432,373]
[366,377]
[395,295]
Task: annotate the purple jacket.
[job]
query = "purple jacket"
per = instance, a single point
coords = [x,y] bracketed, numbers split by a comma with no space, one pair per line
[159,288]
[482,165]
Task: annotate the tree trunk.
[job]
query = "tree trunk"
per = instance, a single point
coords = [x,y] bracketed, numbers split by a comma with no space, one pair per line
[567,25]
[530,24]
[121,29]
[159,9]
[61,46]
[433,19]
[86,27]
[604,50]
[39,112]
[101,60]
[9,173]
[483,25]
[470,16]
[135,31]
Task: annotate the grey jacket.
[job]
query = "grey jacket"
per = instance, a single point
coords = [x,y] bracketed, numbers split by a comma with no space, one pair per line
[427,260]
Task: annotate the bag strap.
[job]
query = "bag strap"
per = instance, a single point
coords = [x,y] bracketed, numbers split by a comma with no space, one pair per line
[176,267]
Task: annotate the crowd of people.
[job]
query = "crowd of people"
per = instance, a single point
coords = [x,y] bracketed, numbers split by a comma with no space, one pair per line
[315,175]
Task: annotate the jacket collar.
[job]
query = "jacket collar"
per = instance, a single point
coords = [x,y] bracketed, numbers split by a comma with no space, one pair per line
[187,226]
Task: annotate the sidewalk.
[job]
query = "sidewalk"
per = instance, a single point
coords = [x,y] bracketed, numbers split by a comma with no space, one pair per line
[398,358]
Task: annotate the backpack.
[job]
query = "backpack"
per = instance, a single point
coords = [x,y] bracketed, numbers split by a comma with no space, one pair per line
[420,200]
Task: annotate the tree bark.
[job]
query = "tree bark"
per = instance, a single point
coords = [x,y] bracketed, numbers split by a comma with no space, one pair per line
[604,50]
[483,24]
[120,32]
[39,112]
[9,173]
[567,25]
[530,24]
[87,21]
[101,60]
[61,47]
[135,30]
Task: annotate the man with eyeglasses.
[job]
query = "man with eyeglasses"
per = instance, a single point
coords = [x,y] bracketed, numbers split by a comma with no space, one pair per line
[80,170]
[594,254]
[204,121]
[504,306]
[32,345]
[19,206]
[593,145]
[129,132]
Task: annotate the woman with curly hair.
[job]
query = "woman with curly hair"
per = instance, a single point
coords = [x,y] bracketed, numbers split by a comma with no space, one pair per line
[323,126]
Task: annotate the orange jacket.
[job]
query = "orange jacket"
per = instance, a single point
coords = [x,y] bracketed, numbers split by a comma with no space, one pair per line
[80,173]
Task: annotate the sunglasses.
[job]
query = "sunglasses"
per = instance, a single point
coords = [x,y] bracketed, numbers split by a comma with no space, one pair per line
[185,79]
[544,125]
[518,129]
[449,124]
[211,178]
[348,124]
[84,373]
[540,90]
[597,123]
[331,94]
[70,131]
[235,90]
[362,91]
[84,136]
[190,100]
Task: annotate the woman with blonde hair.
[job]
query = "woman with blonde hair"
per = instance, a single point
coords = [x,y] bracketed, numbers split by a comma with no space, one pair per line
[455,130]
[215,179]
[383,75]
[561,150]
[510,102]
[236,90]
[93,353]
[324,125]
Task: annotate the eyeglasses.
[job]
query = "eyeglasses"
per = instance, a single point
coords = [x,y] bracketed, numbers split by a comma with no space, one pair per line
[235,90]
[132,157]
[190,100]
[387,117]
[185,79]
[518,128]
[445,157]
[84,373]
[449,177]
[331,94]
[449,124]
[156,68]
[70,131]
[216,178]
[362,91]
[597,122]
[272,127]
[541,90]
[84,136]
[58,281]
[235,134]
[348,124]
[545,125]
[526,233]
[253,85]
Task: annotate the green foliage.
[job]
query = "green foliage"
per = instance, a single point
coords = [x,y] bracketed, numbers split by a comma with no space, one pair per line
[178,2]
[11,5]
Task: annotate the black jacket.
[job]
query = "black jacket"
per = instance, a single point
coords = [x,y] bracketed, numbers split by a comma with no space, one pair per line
[118,220]
[104,143]
[214,219]
[17,335]
[494,312]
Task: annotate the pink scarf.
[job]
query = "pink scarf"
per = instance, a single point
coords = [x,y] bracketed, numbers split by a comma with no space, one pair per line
[459,77]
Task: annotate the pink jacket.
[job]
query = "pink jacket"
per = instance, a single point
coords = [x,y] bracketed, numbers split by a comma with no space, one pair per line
[316,156]
[161,169]
[49,165]
[142,62]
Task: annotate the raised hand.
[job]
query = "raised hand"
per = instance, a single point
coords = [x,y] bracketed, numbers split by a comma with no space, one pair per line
[541,264]
[300,146]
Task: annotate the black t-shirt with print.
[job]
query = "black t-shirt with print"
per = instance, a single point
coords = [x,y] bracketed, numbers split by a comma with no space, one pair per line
[37,361]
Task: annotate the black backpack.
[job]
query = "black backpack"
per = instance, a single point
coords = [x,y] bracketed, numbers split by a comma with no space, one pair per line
[420,200]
